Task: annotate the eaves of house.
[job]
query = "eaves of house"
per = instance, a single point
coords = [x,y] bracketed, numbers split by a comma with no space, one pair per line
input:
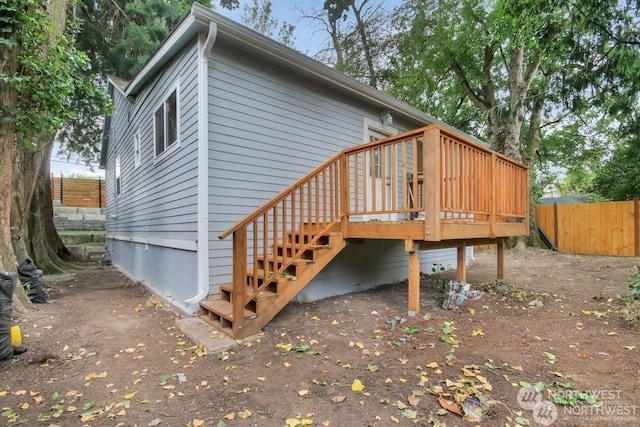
[201,18]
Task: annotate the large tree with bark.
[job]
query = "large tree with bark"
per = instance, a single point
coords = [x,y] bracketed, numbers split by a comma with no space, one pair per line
[48,84]
[39,71]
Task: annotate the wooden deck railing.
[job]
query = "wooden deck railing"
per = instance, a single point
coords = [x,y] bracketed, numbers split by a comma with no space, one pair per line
[428,174]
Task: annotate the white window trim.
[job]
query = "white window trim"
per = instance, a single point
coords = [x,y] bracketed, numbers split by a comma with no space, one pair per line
[173,147]
[378,127]
[136,149]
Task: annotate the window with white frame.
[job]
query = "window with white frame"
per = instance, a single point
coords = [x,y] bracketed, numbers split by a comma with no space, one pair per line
[136,148]
[118,177]
[166,122]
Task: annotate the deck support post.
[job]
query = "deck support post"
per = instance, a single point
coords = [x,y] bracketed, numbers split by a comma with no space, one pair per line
[461,271]
[414,277]
[239,272]
[500,253]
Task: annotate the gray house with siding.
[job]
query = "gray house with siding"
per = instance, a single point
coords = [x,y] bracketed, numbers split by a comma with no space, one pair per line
[219,121]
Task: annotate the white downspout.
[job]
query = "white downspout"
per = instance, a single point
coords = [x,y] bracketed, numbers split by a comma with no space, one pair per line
[204,49]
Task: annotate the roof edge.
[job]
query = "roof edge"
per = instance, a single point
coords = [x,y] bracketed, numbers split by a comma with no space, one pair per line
[198,20]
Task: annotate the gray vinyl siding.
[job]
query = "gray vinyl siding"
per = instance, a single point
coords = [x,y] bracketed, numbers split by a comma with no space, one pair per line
[352,270]
[158,200]
[162,268]
[267,128]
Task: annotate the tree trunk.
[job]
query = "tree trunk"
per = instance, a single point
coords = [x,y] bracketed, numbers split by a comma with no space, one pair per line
[8,102]
[45,244]
[51,236]
[366,48]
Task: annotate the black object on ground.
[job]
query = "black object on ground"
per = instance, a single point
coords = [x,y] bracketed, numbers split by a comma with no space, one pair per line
[28,273]
[7,286]
[546,240]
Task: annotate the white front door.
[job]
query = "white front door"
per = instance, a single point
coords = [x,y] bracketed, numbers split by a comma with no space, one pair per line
[378,165]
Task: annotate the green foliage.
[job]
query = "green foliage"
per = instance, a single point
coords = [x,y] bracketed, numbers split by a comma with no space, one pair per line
[619,178]
[360,34]
[634,284]
[50,72]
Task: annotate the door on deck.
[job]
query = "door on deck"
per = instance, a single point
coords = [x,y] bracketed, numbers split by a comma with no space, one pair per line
[379,169]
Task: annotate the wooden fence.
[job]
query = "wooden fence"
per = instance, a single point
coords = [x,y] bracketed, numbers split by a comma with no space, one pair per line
[609,228]
[78,192]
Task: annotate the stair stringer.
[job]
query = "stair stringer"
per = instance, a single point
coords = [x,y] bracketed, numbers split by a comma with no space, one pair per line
[288,290]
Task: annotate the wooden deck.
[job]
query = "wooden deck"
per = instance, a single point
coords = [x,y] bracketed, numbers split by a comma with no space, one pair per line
[429,187]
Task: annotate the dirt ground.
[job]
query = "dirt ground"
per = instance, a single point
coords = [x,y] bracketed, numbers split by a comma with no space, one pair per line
[106,352]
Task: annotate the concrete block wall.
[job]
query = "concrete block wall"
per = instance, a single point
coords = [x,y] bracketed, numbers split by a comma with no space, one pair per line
[67,218]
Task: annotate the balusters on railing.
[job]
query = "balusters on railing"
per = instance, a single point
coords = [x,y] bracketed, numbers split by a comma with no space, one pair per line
[441,173]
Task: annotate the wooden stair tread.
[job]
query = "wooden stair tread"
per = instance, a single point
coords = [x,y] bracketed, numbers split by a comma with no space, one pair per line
[311,247]
[281,279]
[216,324]
[224,309]
[280,259]
[260,296]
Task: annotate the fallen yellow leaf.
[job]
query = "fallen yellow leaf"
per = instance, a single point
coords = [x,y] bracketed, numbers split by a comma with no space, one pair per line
[230,416]
[477,332]
[339,398]
[357,386]
[130,396]
[335,322]
[197,423]
[122,413]
[413,400]
[433,365]
[292,422]
[3,392]
[25,405]
[245,414]
[303,392]
[613,334]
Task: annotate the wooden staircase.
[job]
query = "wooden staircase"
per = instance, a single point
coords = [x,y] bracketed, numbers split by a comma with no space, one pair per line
[280,247]
[297,271]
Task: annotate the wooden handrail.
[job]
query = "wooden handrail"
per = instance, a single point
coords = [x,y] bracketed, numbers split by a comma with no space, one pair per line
[429,173]
[282,195]
[360,149]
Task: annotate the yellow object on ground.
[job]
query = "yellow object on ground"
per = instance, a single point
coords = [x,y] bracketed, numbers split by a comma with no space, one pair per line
[16,336]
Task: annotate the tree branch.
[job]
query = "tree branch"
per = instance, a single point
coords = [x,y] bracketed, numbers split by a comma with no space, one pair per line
[473,96]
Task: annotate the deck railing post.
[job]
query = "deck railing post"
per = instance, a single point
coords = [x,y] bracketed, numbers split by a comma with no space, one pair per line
[527,203]
[636,227]
[493,182]
[239,280]
[344,194]
[432,178]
